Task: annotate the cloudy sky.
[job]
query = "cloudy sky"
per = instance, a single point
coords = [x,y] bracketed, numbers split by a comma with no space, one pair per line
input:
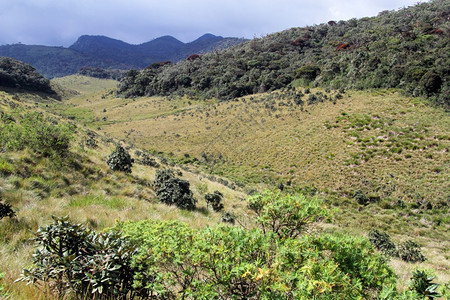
[61,22]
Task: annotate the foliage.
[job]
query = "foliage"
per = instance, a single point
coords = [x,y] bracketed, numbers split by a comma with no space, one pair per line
[41,134]
[2,288]
[361,197]
[234,263]
[172,190]
[88,264]
[286,215]
[382,242]
[116,74]
[146,160]
[120,160]
[215,200]
[16,74]
[422,283]
[410,251]
[6,210]
[406,49]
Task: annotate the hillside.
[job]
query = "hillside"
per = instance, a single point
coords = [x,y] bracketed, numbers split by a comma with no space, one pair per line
[106,53]
[406,49]
[17,75]
[41,179]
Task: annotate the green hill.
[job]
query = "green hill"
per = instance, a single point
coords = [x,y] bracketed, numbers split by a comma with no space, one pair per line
[406,49]
[17,75]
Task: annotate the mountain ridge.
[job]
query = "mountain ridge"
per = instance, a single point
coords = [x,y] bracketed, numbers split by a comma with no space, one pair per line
[100,51]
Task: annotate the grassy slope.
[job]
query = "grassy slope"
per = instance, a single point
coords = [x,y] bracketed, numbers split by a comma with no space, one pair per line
[84,188]
[387,145]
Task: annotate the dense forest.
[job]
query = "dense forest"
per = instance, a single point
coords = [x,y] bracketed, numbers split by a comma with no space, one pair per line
[16,74]
[406,49]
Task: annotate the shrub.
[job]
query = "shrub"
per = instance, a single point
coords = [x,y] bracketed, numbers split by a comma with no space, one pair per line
[308,72]
[172,190]
[361,197]
[32,129]
[146,160]
[410,251]
[6,210]
[86,263]
[215,200]
[228,217]
[382,242]
[227,262]
[286,215]
[120,160]
[422,284]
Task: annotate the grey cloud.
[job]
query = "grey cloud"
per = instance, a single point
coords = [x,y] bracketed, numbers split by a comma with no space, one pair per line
[60,22]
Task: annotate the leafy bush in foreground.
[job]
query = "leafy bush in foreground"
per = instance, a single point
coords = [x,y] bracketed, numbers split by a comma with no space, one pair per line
[88,264]
[226,262]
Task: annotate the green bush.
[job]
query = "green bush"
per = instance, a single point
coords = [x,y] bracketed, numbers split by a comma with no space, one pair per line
[215,200]
[120,160]
[172,190]
[286,215]
[410,251]
[88,264]
[6,210]
[422,284]
[226,262]
[382,242]
[33,130]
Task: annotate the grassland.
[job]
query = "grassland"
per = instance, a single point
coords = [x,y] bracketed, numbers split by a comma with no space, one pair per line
[393,148]
[83,187]
[331,148]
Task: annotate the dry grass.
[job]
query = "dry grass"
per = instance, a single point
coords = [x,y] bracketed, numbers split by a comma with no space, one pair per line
[264,139]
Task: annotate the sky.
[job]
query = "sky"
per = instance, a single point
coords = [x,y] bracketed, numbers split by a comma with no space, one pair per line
[61,22]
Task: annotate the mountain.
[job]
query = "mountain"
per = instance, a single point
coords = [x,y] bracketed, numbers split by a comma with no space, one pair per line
[107,53]
[406,49]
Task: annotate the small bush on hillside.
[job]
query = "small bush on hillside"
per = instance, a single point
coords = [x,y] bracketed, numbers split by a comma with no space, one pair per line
[228,217]
[361,197]
[215,200]
[382,242]
[146,160]
[286,215]
[45,136]
[410,251]
[172,190]
[6,210]
[120,160]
